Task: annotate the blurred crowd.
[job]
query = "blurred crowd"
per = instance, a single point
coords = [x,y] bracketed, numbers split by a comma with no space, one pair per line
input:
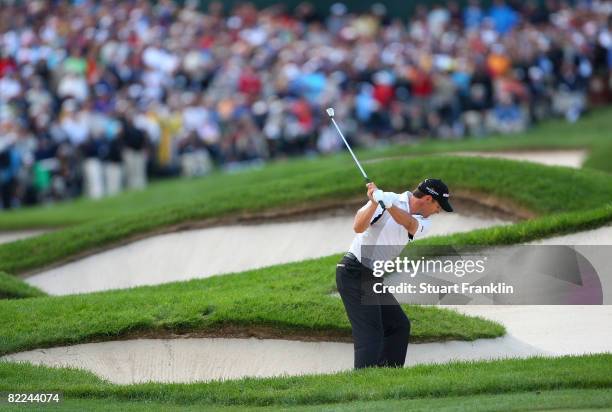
[99,96]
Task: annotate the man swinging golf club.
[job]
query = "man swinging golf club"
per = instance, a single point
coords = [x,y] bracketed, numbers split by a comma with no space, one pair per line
[380,328]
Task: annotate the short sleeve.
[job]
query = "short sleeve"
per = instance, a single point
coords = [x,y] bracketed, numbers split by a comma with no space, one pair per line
[423,228]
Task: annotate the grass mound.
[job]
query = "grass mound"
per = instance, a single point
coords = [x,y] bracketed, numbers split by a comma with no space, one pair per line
[14,288]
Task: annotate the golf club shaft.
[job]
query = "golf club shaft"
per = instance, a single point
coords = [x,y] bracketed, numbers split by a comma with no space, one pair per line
[367,179]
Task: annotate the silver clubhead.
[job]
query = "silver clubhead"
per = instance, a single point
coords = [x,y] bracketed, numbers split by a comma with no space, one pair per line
[330,112]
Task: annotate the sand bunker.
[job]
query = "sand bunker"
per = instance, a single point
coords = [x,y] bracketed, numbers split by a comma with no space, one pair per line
[6,237]
[218,250]
[202,359]
[558,330]
[599,236]
[568,158]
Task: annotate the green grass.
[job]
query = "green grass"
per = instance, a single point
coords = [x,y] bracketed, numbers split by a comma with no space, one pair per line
[545,190]
[14,288]
[599,157]
[569,399]
[558,400]
[425,382]
[284,300]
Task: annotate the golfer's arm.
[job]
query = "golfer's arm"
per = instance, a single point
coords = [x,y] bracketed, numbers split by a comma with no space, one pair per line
[404,218]
[363,217]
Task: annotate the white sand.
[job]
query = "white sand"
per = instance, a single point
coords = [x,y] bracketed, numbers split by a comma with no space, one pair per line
[568,158]
[213,251]
[199,359]
[599,236]
[6,237]
[558,330]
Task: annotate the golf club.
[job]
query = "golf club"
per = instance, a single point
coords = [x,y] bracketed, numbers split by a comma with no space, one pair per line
[330,113]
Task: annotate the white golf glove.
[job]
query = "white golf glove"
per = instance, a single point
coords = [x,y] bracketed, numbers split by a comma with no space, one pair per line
[387,198]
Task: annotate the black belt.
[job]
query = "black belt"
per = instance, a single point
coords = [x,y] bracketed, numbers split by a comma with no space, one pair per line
[355,262]
[350,256]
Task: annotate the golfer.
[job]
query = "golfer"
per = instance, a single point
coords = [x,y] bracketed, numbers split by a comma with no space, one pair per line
[381,330]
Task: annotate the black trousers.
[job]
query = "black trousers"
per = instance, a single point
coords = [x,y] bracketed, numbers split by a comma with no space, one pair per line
[381,329]
[7,191]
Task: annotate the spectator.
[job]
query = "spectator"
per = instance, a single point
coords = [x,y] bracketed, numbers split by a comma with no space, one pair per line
[472,15]
[134,153]
[10,163]
[503,16]
[112,161]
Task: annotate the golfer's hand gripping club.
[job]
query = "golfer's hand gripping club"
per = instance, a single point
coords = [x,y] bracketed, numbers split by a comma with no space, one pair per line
[386,198]
[330,113]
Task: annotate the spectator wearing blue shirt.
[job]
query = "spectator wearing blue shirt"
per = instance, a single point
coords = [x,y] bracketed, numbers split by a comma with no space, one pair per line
[503,16]
[473,15]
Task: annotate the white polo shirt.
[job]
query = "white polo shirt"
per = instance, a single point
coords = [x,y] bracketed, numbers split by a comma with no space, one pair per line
[385,231]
